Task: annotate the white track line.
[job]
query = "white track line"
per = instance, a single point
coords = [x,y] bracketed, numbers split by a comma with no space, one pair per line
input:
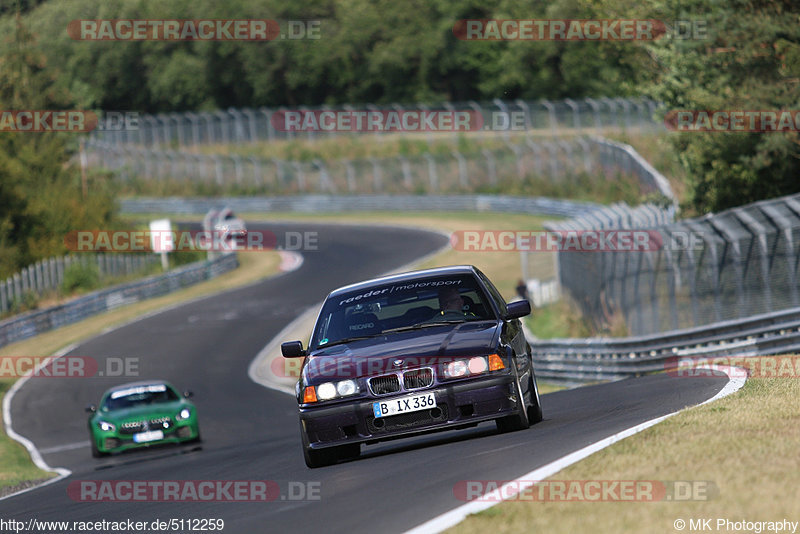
[735,381]
[36,456]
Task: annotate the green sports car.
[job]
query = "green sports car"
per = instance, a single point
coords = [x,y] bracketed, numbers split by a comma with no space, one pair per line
[141,414]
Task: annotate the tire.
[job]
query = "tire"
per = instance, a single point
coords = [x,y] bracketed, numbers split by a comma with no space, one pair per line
[95,451]
[319,458]
[349,452]
[535,408]
[198,439]
[324,457]
[517,421]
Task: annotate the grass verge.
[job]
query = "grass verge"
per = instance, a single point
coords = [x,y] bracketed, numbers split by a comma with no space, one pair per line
[744,446]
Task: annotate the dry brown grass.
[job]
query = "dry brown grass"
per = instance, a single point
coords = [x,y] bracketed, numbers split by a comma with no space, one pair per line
[745,444]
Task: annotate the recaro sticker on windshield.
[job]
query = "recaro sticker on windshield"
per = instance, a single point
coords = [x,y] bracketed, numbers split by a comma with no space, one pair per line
[404,287]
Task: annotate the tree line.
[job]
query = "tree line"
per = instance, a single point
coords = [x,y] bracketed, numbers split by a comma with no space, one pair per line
[381,51]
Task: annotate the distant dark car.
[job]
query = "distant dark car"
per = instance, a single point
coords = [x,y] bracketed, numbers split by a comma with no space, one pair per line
[412,353]
[229,224]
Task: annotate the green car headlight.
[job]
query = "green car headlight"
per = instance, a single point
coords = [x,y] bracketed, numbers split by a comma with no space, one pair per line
[183,414]
[105,426]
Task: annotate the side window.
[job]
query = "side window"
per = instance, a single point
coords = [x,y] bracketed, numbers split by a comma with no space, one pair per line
[494,293]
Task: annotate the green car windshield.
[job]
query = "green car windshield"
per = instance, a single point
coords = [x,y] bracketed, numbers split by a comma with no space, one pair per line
[139,396]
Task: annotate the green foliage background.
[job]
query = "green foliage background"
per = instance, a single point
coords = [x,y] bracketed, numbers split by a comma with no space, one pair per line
[382,51]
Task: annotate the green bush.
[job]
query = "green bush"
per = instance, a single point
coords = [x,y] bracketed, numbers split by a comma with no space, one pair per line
[80,277]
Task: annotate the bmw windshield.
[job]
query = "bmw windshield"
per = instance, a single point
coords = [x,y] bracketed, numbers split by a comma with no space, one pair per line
[368,312]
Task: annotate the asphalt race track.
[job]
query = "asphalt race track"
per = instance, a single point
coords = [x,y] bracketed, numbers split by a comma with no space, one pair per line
[251,433]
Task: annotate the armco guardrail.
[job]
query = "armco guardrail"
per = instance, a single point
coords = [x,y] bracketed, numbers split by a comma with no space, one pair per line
[612,359]
[33,323]
[47,275]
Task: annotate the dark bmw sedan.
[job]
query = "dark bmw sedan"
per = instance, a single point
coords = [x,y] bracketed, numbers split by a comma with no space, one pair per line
[410,353]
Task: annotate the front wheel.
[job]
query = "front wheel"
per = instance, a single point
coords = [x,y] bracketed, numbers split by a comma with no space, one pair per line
[319,458]
[96,453]
[535,408]
[516,421]
[329,456]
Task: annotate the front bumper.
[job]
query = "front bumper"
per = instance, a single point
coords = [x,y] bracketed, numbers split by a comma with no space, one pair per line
[118,442]
[459,404]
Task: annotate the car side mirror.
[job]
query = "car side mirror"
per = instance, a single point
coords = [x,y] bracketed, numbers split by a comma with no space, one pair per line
[188,394]
[518,309]
[293,349]
[91,408]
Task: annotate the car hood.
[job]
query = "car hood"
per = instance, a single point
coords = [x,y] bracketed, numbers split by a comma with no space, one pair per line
[401,350]
[137,413]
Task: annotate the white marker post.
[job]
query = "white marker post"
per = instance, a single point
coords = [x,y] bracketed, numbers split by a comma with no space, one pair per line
[161,240]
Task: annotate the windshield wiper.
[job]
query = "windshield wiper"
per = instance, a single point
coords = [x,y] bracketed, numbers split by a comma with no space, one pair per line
[422,325]
[345,340]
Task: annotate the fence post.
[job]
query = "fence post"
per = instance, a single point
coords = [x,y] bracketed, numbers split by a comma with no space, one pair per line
[279,174]
[490,165]
[517,158]
[218,169]
[377,178]
[351,175]
[268,118]
[576,114]
[479,110]
[258,179]
[526,109]
[759,234]
[737,253]
[552,153]
[238,126]
[211,137]
[449,107]
[408,180]
[324,179]
[462,169]
[301,177]
[551,112]
[786,227]
[237,168]
[503,109]
[251,125]
[432,177]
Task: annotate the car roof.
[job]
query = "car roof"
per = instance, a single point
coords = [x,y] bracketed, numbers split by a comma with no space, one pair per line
[405,277]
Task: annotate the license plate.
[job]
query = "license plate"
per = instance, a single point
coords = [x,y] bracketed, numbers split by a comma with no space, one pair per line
[414,403]
[153,435]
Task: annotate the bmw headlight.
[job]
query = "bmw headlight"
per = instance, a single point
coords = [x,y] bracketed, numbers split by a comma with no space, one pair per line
[346,387]
[456,369]
[474,366]
[105,426]
[331,390]
[326,391]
